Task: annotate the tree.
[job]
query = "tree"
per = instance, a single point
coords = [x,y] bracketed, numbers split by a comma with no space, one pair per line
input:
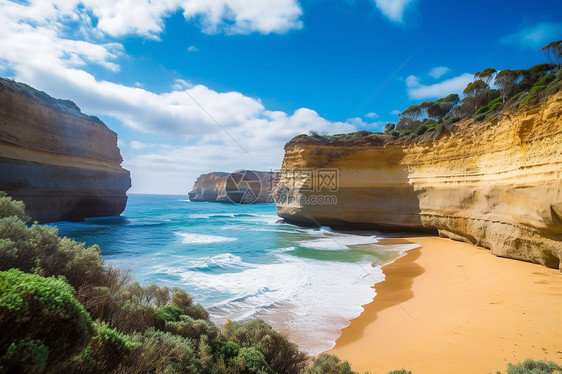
[413,112]
[440,108]
[389,127]
[486,75]
[506,81]
[553,52]
[475,96]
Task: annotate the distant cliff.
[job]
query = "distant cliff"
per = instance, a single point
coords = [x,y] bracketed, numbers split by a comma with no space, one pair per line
[496,184]
[62,164]
[245,186]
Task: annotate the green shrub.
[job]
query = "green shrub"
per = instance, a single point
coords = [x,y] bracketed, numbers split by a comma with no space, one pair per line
[438,131]
[535,91]
[12,208]
[281,355]
[254,361]
[420,130]
[227,350]
[533,367]
[109,347]
[329,364]
[26,356]
[162,352]
[402,371]
[43,310]
[169,313]
[197,312]
[45,328]
[181,299]
[192,328]
[553,88]
[38,249]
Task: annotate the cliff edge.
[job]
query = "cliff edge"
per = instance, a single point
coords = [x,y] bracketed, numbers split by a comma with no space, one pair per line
[495,184]
[62,164]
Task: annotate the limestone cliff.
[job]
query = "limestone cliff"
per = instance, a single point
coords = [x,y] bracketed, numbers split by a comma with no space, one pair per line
[245,186]
[496,184]
[62,164]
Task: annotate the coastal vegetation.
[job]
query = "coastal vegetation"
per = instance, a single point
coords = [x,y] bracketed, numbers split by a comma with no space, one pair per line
[490,93]
[63,309]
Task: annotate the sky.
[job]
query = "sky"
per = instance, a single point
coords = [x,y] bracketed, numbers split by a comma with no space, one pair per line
[194,86]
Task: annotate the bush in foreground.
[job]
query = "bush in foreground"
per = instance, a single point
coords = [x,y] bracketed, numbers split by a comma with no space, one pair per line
[534,367]
[42,323]
[52,289]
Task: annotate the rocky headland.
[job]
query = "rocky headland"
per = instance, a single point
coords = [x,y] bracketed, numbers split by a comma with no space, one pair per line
[64,165]
[495,183]
[244,186]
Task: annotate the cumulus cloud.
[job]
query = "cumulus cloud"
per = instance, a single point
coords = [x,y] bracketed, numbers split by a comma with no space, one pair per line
[439,71]
[138,145]
[416,90]
[393,9]
[534,37]
[372,115]
[146,18]
[395,112]
[42,45]
[192,49]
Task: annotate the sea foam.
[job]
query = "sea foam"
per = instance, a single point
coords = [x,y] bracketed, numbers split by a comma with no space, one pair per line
[188,238]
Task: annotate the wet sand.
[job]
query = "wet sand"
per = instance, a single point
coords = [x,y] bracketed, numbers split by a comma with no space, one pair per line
[449,307]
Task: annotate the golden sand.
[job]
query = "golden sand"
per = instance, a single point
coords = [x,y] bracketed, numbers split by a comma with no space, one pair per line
[449,307]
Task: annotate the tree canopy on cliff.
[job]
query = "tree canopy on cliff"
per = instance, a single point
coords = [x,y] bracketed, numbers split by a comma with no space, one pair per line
[486,95]
[553,52]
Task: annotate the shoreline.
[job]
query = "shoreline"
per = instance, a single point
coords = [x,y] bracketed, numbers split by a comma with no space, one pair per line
[448,306]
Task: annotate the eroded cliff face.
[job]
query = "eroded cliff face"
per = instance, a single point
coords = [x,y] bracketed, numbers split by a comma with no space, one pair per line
[62,164]
[246,186]
[496,184]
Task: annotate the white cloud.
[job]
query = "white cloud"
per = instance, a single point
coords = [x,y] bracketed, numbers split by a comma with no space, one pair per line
[372,115]
[37,50]
[416,90]
[439,71]
[412,81]
[395,112]
[137,145]
[393,9]
[534,37]
[192,49]
[147,18]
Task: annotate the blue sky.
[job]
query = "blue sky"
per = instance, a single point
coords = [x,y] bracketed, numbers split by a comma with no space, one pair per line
[193,86]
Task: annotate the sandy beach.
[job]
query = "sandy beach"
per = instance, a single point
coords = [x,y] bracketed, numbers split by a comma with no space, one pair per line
[449,307]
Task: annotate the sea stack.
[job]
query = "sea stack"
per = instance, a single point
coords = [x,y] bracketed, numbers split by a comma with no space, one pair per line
[63,164]
[243,186]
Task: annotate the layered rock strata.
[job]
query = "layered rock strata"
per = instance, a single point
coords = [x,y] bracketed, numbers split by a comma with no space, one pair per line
[244,186]
[62,164]
[496,184]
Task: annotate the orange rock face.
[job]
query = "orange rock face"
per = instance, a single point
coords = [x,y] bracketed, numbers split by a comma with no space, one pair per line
[62,164]
[496,184]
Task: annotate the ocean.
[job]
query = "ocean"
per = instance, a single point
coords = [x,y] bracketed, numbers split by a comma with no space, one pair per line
[241,262]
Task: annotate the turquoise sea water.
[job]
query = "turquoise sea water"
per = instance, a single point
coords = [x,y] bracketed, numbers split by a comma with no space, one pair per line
[240,262]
